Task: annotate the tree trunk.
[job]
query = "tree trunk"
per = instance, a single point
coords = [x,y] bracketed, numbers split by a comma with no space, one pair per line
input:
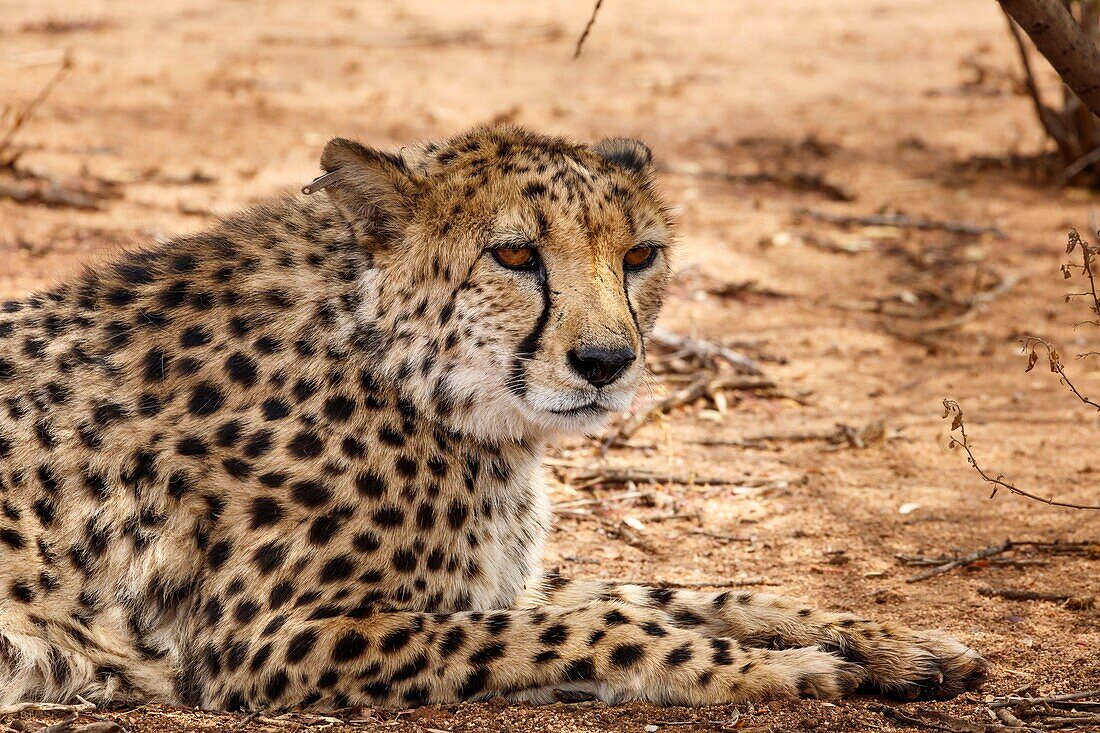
[1062,41]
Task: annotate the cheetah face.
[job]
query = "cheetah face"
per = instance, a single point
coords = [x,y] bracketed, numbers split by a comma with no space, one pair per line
[521,273]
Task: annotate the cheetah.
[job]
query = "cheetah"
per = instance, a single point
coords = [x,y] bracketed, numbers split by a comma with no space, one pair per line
[295,461]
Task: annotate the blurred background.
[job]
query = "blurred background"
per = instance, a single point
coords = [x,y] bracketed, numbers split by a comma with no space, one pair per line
[873,218]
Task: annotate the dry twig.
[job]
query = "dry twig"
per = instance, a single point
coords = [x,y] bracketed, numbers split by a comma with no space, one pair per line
[687,347]
[903,222]
[8,158]
[587,29]
[951,409]
[968,559]
[1075,603]
[707,384]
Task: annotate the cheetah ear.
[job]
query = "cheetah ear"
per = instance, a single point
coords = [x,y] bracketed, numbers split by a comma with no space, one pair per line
[375,190]
[633,155]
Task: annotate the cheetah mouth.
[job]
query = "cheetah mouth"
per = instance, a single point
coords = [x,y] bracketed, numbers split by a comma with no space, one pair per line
[587,410]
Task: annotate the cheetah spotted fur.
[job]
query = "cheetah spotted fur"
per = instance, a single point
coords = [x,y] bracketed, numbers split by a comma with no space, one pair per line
[294,461]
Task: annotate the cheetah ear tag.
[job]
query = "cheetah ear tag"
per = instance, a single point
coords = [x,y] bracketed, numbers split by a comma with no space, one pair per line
[375,190]
[626,153]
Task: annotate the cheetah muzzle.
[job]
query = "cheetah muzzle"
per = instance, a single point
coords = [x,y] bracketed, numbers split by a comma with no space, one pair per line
[294,461]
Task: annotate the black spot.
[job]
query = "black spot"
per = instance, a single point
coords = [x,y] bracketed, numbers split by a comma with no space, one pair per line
[265,512]
[404,561]
[237,468]
[661,596]
[300,646]
[11,538]
[228,433]
[652,628]
[306,445]
[156,365]
[406,466]
[194,336]
[311,493]
[245,611]
[389,516]
[679,655]
[687,618]
[627,655]
[580,670]
[396,640]
[276,685]
[452,641]
[275,409]
[352,448]
[615,618]
[336,569]
[206,399]
[280,594]
[191,445]
[721,649]
[149,405]
[304,389]
[219,553]
[241,368]
[370,484]
[350,646]
[554,635]
[367,542]
[269,557]
[425,516]
[22,591]
[179,484]
[339,408]
[260,657]
[323,528]
[212,611]
[268,345]
[258,444]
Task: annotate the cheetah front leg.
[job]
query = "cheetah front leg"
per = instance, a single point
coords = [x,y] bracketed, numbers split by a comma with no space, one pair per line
[614,650]
[896,661]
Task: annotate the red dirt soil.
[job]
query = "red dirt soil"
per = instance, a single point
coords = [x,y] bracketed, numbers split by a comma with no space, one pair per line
[194,108]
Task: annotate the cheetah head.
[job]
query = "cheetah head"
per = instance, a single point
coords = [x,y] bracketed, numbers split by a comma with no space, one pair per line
[514,276]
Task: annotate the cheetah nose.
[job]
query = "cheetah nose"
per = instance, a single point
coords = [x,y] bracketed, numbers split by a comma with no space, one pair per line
[600,365]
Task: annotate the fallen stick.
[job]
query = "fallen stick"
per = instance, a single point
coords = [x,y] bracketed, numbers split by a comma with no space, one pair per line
[939,721]
[639,476]
[796,180]
[1076,603]
[962,561]
[721,536]
[902,221]
[47,707]
[707,384]
[1009,700]
[704,349]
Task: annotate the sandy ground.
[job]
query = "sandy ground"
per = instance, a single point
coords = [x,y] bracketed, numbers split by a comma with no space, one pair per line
[192,108]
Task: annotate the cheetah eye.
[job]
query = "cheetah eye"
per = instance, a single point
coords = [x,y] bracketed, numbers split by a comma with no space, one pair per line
[524,258]
[640,257]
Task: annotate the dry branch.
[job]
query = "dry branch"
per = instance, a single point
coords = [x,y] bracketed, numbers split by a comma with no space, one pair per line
[8,158]
[903,222]
[587,28]
[1063,42]
[1076,603]
[962,561]
[951,409]
[685,346]
[707,384]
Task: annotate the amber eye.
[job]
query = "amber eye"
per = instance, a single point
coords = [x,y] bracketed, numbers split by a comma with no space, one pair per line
[640,256]
[517,258]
